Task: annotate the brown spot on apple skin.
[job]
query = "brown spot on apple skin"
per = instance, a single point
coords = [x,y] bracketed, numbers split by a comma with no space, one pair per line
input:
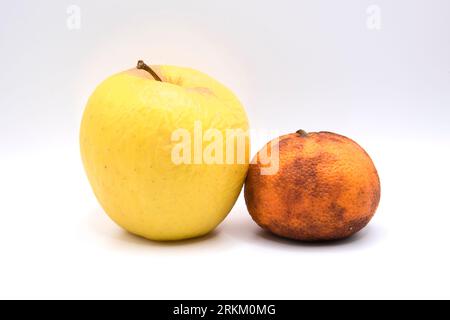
[144,74]
[175,81]
[202,91]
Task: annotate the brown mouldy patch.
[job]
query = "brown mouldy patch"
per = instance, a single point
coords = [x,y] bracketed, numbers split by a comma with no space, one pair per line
[354,226]
[313,232]
[337,211]
[375,200]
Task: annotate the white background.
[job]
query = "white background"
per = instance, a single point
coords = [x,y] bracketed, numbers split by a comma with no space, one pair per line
[314,65]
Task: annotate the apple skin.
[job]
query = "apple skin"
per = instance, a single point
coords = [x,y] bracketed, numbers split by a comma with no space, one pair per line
[126,144]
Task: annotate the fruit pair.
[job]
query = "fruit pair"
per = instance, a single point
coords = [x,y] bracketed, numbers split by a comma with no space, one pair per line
[137,122]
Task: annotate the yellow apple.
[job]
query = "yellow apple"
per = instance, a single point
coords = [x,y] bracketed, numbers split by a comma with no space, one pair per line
[131,134]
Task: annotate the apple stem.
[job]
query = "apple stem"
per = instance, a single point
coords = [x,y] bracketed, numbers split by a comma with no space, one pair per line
[302,133]
[141,65]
